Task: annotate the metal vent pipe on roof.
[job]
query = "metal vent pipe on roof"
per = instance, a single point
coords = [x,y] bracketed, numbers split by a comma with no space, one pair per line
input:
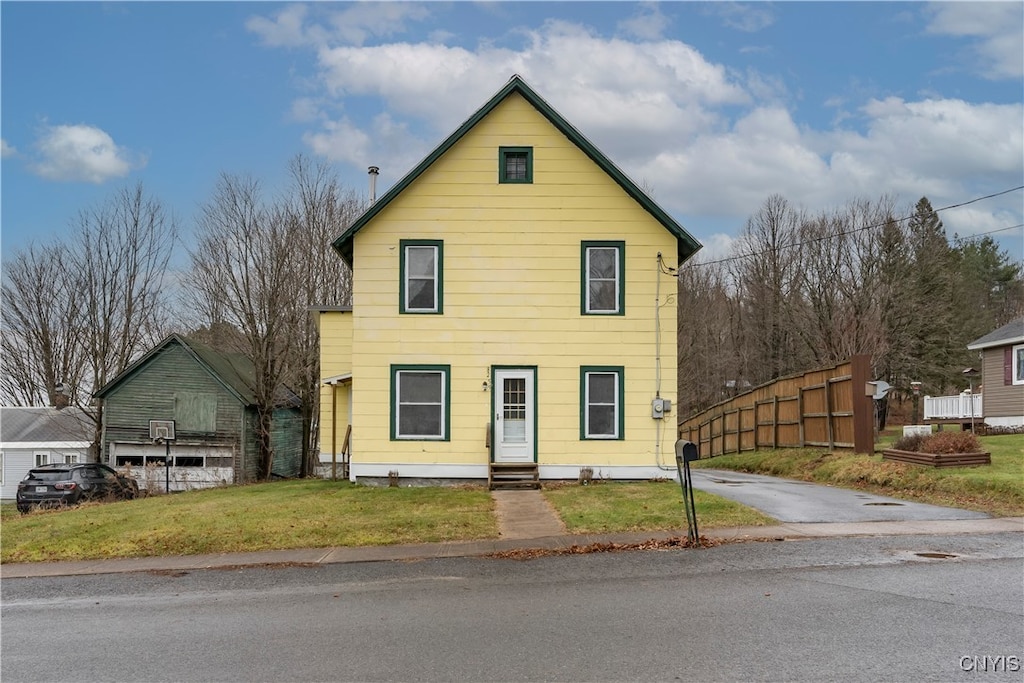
[373,170]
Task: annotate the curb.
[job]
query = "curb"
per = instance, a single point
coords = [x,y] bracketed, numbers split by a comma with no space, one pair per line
[483,548]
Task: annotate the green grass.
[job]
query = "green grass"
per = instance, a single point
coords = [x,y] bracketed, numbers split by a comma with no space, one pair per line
[608,507]
[997,489]
[293,514]
[318,514]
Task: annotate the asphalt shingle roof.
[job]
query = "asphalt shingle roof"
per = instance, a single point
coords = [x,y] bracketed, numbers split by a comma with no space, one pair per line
[1010,333]
[45,425]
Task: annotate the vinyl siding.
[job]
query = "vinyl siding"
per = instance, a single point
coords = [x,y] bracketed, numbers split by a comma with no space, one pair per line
[335,359]
[999,399]
[511,297]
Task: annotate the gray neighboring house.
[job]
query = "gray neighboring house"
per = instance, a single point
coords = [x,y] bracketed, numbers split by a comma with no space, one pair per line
[209,396]
[40,436]
[1002,374]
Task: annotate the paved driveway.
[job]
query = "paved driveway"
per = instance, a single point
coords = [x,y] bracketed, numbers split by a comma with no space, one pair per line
[796,501]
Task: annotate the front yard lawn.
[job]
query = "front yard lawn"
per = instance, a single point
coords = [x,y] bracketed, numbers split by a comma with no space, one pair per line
[320,514]
[304,513]
[610,506]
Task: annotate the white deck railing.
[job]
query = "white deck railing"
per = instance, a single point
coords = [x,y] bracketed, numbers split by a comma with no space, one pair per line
[965,405]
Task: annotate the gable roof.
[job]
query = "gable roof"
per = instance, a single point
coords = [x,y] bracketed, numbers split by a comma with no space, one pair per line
[687,245]
[1010,333]
[41,427]
[235,371]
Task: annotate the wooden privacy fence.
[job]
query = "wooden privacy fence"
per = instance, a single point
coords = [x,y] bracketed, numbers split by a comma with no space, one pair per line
[828,407]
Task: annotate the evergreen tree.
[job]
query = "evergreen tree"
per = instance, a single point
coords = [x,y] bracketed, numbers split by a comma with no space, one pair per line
[931,296]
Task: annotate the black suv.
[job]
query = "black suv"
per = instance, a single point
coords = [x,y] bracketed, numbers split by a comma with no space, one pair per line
[70,484]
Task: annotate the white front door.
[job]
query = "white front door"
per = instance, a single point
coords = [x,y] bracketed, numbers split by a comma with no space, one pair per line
[514,415]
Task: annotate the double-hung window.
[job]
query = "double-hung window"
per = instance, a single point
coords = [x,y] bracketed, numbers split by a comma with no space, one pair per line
[419,402]
[515,165]
[422,285]
[601,402]
[1018,364]
[602,281]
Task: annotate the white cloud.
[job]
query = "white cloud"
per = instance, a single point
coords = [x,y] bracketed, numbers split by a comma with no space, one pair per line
[716,246]
[647,24]
[711,143]
[967,221]
[7,150]
[640,93]
[387,144]
[81,153]
[749,18]
[353,25]
[305,110]
[999,52]
[286,29]
[363,20]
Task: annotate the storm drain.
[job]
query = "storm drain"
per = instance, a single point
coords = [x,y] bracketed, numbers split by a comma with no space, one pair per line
[884,503]
[936,556]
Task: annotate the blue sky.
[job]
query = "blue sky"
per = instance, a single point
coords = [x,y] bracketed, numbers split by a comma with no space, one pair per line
[711,106]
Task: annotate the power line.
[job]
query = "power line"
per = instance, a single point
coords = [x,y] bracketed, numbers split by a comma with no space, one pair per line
[852,231]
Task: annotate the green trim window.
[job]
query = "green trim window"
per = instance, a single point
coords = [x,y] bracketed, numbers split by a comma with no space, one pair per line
[602,278]
[420,406]
[422,276]
[515,165]
[1018,364]
[601,402]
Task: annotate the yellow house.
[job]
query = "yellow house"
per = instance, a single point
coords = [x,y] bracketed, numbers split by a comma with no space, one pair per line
[513,313]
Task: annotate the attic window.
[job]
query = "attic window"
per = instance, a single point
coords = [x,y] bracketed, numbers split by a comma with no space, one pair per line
[515,164]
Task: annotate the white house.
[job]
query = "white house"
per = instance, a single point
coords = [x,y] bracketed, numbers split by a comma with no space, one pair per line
[39,436]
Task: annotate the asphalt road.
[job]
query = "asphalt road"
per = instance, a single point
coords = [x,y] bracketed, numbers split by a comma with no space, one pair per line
[788,500]
[854,609]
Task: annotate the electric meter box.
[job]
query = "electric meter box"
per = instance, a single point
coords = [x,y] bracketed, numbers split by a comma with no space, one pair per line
[660,407]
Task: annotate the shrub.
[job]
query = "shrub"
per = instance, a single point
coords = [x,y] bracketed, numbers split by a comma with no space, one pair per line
[939,442]
[911,442]
[951,442]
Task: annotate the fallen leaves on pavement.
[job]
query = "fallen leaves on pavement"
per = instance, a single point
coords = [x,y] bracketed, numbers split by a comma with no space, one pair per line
[651,544]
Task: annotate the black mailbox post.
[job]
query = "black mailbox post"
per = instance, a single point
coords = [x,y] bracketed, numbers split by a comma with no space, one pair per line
[686,452]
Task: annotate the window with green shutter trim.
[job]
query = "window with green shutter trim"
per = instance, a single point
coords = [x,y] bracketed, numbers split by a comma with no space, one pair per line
[421,267]
[515,164]
[420,402]
[601,402]
[602,278]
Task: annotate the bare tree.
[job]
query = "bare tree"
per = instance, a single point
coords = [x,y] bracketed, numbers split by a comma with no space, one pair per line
[259,266]
[840,278]
[766,277]
[120,259]
[79,313]
[41,320]
[709,337]
[240,275]
[319,210]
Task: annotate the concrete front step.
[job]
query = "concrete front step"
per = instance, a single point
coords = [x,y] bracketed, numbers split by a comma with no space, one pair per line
[503,475]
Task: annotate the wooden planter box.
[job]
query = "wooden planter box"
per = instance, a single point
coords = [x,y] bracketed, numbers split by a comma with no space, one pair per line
[937,459]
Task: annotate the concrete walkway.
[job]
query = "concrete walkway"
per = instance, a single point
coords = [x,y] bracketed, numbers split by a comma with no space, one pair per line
[525,514]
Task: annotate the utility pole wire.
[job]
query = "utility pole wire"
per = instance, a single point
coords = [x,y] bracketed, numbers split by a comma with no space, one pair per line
[870,227]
